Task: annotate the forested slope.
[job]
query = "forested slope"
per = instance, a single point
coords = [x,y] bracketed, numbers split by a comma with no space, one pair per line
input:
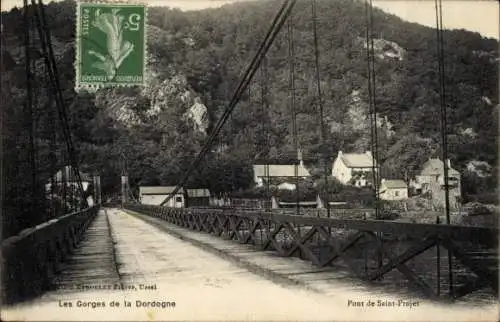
[196,59]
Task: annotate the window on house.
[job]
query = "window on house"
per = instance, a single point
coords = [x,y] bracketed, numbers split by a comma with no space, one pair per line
[396,193]
[178,199]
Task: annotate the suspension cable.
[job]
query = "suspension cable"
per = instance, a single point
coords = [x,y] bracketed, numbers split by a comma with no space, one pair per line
[52,154]
[50,62]
[444,128]
[2,118]
[371,100]
[443,117]
[265,112]
[231,131]
[46,196]
[250,72]
[59,98]
[319,100]
[218,159]
[293,112]
[373,117]
[29,106]
[375,123]
[34,115]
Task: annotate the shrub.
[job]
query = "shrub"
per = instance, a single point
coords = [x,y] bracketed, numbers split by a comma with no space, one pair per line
[306,194]
[484,198]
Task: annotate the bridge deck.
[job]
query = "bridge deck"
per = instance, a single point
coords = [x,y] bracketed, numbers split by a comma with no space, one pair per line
[204,286]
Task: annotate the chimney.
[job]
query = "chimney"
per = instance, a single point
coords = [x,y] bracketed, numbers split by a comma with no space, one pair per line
[340,153]
[368,153]
[448,162]
[382,180]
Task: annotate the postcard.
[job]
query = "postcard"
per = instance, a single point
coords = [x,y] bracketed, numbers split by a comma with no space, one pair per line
[249,160]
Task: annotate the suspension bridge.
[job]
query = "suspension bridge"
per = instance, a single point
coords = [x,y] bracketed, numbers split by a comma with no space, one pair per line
[74,251]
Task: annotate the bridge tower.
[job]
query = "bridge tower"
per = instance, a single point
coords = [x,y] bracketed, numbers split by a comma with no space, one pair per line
[124,180]
[124,189]
[97,189]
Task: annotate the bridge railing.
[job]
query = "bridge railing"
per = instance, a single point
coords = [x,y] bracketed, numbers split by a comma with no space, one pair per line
[352,213]
[33,257]
[371,249]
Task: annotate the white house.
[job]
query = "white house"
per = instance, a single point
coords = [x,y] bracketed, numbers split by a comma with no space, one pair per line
[281,175]
[277,173]
[156,195]
[67,177]
[393,190]
[354,168]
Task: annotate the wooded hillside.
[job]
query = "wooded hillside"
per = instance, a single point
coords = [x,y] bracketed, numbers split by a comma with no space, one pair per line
[205,52]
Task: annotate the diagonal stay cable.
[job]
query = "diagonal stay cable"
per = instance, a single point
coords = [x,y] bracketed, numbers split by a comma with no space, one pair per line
[285,10]
[240,88]
[278,22]
[251,70]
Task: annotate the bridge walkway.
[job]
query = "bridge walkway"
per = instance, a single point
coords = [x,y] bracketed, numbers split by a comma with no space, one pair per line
[145,262]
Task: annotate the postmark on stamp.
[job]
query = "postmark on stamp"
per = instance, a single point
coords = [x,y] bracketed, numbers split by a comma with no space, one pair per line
[110,45]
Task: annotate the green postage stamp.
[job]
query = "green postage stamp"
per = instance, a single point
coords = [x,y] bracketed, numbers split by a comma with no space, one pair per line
[110,44]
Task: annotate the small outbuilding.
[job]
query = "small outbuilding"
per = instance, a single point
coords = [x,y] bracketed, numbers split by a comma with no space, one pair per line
[156,195]
[197,197]
[393,190]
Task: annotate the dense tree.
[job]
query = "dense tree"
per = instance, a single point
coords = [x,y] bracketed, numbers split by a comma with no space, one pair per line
[205,53]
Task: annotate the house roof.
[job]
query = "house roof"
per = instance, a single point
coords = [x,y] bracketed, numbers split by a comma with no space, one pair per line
[394,184]
[357,160]
[158,190]
[303,203]
[436,167]
[198,193]
[280,170]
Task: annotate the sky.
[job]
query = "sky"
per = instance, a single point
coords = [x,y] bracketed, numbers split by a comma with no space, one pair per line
[475,15]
